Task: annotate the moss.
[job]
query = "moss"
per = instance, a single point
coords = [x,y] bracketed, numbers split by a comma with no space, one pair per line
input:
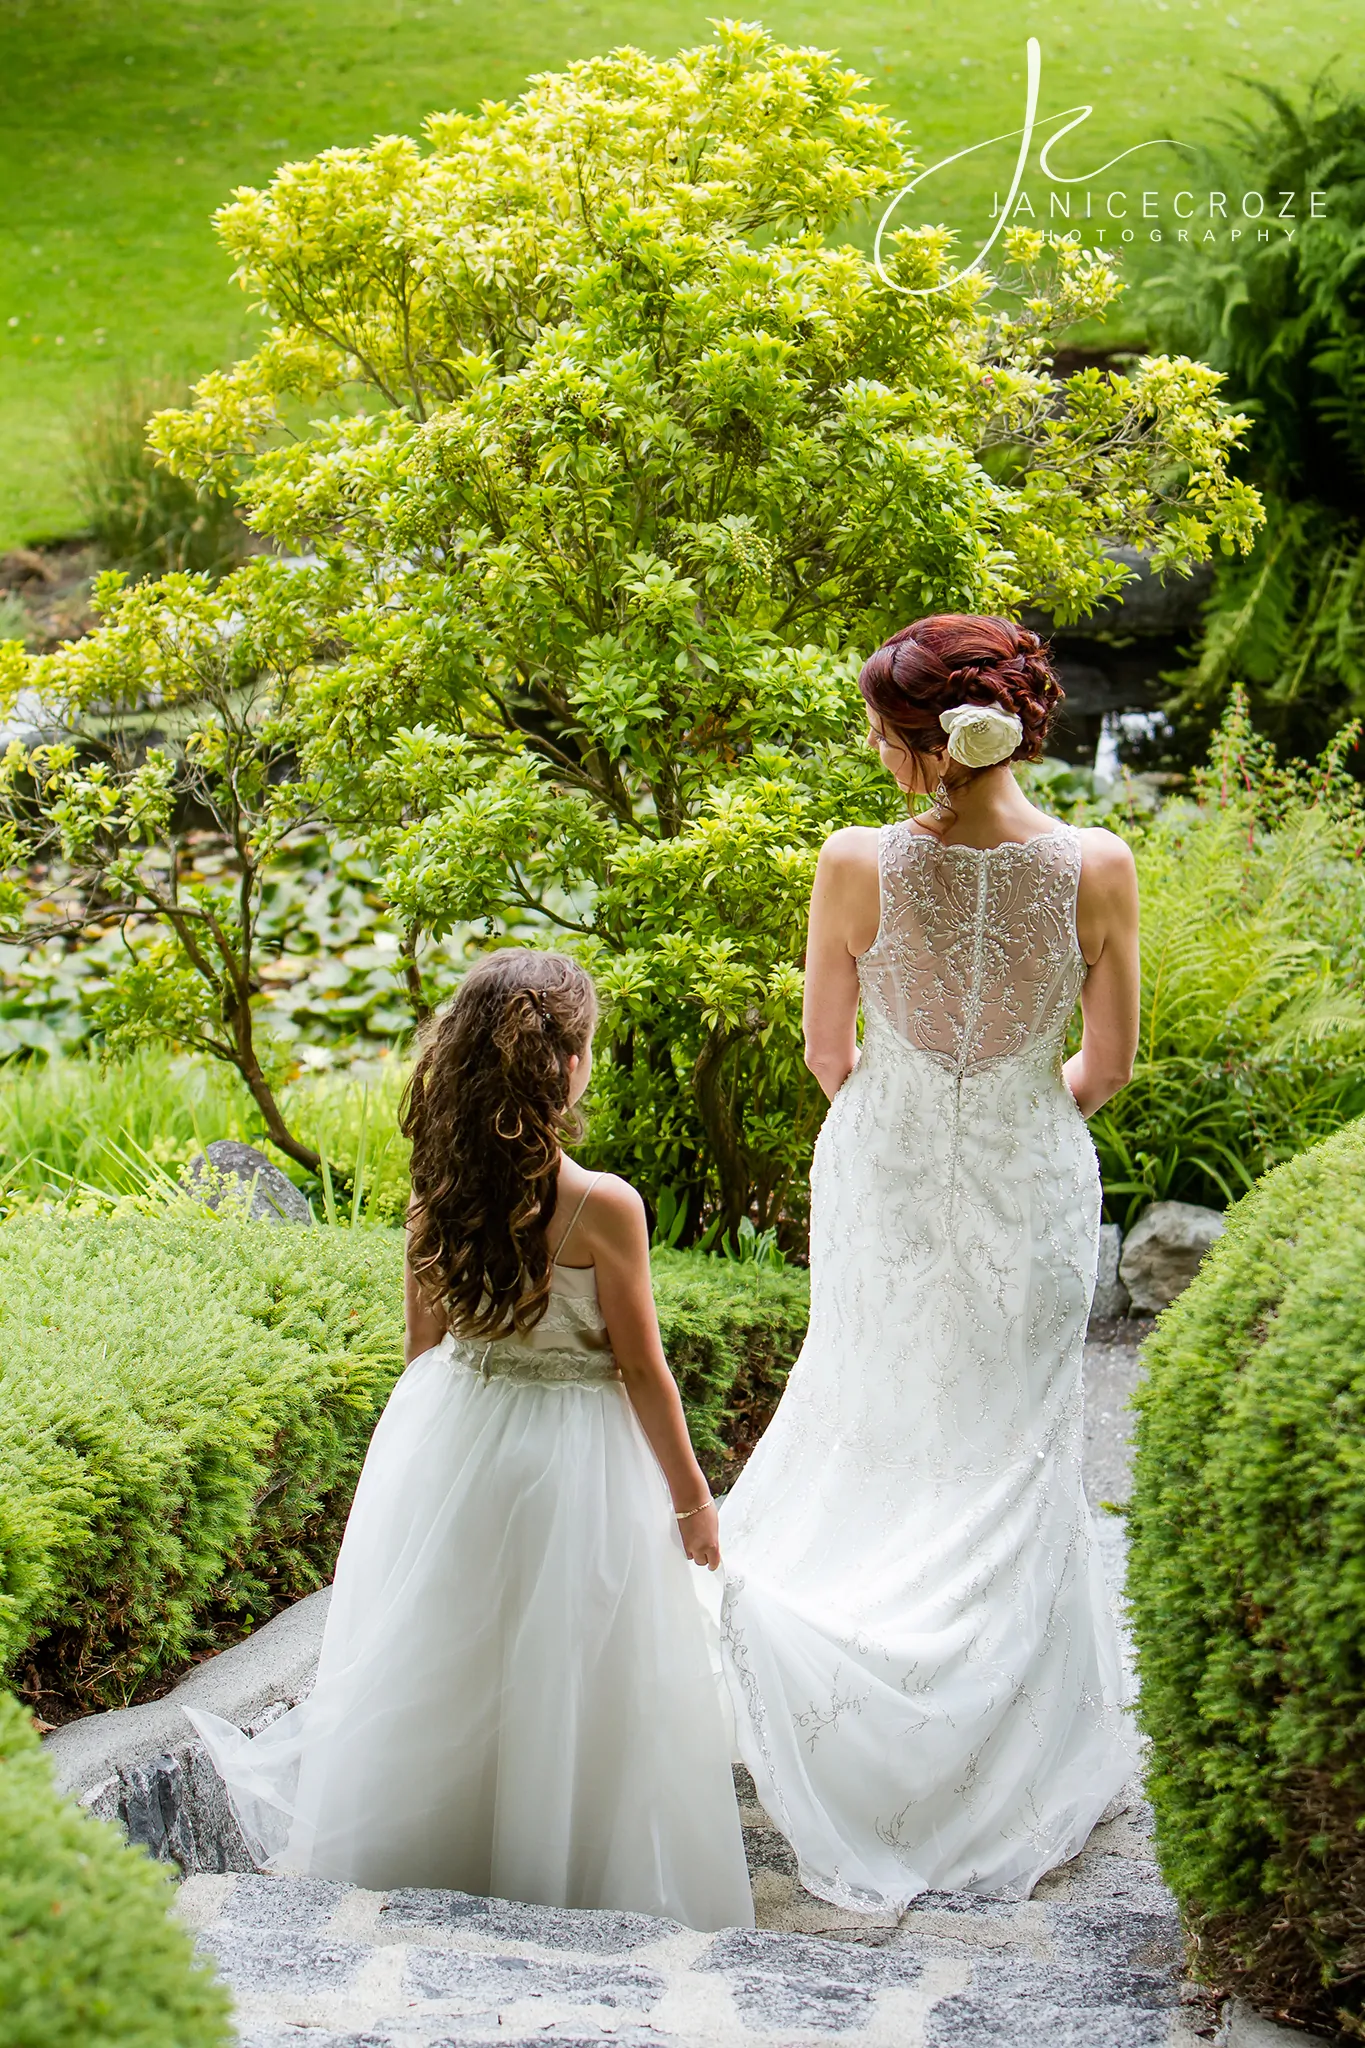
[1248,1590]
[89,1955]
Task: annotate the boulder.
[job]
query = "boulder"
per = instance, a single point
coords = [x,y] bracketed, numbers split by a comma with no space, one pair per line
[1161,1253]
[226,1166]
[1111,1296]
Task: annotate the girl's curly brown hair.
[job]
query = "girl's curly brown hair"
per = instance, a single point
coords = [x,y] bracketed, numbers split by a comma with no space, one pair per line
[487,1109]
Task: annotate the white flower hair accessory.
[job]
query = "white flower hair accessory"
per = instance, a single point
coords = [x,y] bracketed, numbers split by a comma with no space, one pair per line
[979,735]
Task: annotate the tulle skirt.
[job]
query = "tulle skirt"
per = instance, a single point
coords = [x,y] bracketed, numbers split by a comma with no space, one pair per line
[514,1696]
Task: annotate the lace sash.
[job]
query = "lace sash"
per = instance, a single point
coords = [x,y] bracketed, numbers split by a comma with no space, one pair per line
[570,1344]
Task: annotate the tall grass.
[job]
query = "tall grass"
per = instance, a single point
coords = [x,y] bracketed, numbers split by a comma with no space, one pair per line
[146,520]
[70,1123]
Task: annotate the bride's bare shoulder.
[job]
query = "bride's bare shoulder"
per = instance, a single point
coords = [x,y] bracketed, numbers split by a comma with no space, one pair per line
[1108,887]
[851,850]
[1104,854]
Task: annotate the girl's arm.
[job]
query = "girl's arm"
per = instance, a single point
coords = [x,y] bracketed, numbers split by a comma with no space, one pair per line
[1107,927]
[844,913]
[613,1227]
[423,1325]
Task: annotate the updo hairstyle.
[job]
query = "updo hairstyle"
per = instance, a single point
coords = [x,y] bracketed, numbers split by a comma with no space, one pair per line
[960,658]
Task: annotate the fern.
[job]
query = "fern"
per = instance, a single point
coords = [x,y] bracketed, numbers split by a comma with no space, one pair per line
[1253,1002]
[1285,322]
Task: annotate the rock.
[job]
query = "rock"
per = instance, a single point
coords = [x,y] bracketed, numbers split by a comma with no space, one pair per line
[1161,1253]
[1148,606]
[1093,1958]
[1244,2028]
[1111,1296]
[275,1199]
[144,1766]
[1151,604]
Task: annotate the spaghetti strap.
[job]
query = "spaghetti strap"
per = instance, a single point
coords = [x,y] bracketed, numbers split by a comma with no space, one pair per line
[574,1218]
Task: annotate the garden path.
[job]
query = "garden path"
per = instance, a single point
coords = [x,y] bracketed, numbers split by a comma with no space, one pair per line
[1093,1958]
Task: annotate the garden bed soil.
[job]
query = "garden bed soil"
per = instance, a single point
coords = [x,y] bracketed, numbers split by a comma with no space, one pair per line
[50,586]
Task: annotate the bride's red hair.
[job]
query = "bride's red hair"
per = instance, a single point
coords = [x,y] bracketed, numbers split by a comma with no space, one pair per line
[960,658]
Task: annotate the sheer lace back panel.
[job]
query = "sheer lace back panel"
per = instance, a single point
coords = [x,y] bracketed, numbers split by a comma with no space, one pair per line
[976,958]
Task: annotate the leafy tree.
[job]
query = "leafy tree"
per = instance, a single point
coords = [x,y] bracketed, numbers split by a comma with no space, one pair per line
[627,460]
[179,710]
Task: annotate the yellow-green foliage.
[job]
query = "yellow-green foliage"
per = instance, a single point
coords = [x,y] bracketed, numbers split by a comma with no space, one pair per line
[1248,1589]
[89,1955]
[615,465]
[184,1408]
[183,1412]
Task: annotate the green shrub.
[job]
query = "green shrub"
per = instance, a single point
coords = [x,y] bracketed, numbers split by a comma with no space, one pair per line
[89,1955]
[185,1405]
[185,1409]
[1247,1584]
[1252,1038]
[731,1333]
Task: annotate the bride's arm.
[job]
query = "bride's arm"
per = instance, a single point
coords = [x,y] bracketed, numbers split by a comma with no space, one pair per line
[1107,927]
[844,913]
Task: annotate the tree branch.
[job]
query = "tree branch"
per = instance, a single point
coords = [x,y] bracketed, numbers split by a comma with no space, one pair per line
[34,934]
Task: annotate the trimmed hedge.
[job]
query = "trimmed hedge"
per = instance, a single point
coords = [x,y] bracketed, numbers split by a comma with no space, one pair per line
[1247,1583]
[185,1406]
[731,1333]
[89,1954]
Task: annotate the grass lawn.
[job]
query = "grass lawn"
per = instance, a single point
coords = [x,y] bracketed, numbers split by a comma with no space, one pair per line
[124,125]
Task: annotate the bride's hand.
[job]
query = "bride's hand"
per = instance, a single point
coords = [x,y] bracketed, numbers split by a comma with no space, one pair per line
[701,1538]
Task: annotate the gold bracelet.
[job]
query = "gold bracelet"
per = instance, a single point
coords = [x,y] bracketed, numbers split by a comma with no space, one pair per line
[688,1513]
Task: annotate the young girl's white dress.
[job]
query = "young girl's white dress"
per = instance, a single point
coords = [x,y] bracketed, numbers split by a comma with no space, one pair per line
[514,1696]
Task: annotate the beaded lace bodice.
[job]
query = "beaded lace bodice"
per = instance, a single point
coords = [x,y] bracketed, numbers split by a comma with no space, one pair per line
[976,958]
[569,1344]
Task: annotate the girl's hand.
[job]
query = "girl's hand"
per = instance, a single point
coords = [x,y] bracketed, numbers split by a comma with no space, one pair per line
[701,1537]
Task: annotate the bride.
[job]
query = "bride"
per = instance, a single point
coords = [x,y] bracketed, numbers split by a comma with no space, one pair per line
[914,1625]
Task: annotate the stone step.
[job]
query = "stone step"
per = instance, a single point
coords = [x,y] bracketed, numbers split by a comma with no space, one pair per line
[1093,1958]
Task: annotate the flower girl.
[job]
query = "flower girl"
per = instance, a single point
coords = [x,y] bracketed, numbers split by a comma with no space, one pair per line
[514,1696]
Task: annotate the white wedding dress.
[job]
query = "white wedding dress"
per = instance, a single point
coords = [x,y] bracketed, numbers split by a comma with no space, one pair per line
[914,1626]
[514,1696]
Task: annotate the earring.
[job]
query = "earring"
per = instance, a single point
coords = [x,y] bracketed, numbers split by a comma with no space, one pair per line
[942,801]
